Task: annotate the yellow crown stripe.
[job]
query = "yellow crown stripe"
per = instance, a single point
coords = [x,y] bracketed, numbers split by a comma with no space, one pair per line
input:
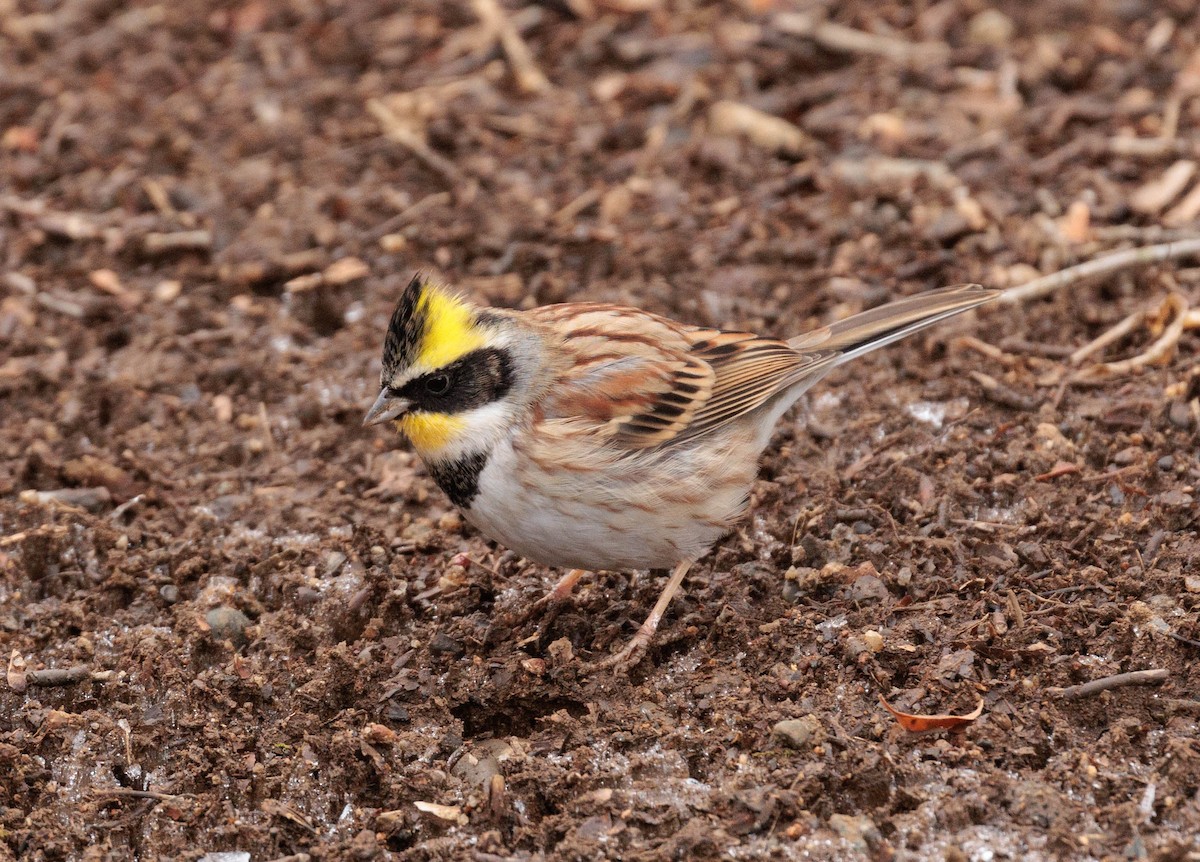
[449,329]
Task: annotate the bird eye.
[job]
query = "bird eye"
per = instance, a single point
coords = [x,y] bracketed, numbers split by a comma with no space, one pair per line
[437,384]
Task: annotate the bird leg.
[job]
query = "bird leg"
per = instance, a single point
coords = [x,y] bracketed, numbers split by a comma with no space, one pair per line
[627,658]
[551,603]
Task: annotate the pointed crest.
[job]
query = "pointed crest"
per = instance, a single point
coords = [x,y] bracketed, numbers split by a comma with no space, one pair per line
[429,329]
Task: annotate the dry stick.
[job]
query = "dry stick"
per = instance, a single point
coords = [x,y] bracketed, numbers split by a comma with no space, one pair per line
[1105,265]
[1156,352]
[529,77]
[1112,336]
[142,794]
[58,675]
[395,129]
[837,37]
[1136,677]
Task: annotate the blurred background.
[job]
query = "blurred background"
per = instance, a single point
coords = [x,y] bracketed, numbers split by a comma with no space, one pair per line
[281,633]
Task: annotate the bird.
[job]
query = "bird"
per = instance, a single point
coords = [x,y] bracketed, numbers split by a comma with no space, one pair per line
[592,437]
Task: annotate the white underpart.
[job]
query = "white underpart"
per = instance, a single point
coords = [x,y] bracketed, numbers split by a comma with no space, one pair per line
[641,510]
[483,428]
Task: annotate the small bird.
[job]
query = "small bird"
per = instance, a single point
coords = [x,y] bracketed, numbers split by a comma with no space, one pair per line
[596,437]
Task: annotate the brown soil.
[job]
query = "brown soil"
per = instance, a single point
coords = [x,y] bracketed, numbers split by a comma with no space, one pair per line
[287,640]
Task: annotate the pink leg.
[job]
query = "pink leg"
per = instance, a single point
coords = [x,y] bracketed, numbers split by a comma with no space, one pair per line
[550,604]
[627,658]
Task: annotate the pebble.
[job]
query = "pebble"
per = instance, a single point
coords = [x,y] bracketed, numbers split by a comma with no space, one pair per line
[443,644]
[1180,415]
[227,624]
[859,830]
[991,27]
[867,588]
[799,733]
[169,593]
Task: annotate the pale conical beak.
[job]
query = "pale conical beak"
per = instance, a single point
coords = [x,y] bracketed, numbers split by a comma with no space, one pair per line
[386,406]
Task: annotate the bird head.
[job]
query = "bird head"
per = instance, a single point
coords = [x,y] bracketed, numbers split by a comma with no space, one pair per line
[447,371]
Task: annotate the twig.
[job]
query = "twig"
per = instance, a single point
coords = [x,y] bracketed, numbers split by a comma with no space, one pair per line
[400,133]
[142,794]
[184,240]
[59,305]
[1111,336]
[1005,396]
[991,351]
[837,37]
[1087,689]
[58,676]
[529,77]
[1153,354]
[1106,265]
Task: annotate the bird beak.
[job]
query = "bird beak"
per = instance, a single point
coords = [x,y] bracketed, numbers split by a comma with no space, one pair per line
[386,406]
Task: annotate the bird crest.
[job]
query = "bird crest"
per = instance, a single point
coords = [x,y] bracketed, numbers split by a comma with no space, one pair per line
[429,329]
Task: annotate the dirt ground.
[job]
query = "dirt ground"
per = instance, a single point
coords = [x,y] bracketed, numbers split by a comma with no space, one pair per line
[273,637]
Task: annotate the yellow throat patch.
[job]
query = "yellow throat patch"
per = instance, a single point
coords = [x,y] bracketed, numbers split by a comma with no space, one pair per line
[430,432]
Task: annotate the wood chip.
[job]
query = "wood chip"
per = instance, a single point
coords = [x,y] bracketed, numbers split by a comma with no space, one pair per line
[1155,195]
[344,271]
[452,813]
[762,129]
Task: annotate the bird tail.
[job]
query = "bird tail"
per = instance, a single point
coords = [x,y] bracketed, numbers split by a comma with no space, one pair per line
[862,333]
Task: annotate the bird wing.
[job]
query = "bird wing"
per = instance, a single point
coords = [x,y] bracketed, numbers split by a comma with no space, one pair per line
[645,380]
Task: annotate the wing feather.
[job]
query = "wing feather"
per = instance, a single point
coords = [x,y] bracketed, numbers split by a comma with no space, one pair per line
[641,380]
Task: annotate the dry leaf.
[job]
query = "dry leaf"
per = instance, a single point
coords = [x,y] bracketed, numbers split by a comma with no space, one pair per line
[917,723]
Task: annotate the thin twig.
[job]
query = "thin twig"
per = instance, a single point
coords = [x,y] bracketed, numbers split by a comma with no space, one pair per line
[1111,336]
[399,132]
[529,77]
[1106,265]
[847,40]
[141,794]
[1153,354]
[1087,689]
[58,676]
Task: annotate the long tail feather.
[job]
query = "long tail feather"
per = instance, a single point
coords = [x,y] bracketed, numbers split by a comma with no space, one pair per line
[870,330]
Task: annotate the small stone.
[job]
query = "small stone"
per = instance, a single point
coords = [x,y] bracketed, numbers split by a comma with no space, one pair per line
[227,624]
[1180,415]
[443,644]
[223,408]
[168,290]
[799,733]
[949,227]
[1047,438]
[991,27]
[868,588]
[169,593]
[1128,455]
[859,830]
[1166,462]
[873,640]
[1192,583]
